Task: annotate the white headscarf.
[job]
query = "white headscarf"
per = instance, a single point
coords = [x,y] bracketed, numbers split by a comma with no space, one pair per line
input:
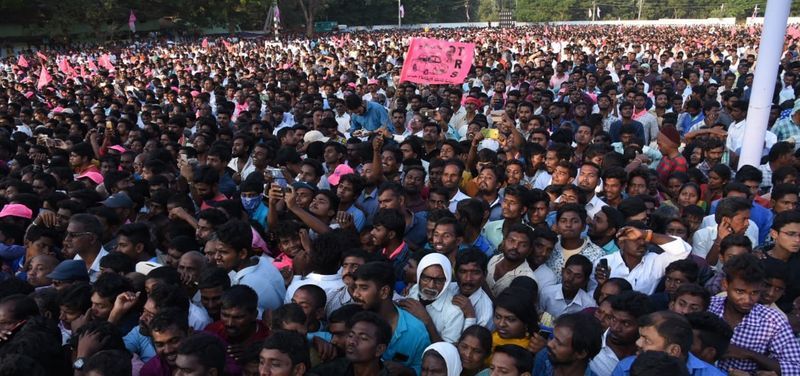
[449,353]
[436,259]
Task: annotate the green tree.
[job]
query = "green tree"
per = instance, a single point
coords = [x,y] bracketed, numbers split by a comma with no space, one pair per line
[544,10]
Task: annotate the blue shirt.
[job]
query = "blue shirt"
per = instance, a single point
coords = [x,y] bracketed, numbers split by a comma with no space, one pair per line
[543,366]
[260,215]
[417,231]
[696,367]
[409,340]
[137,343]
[484,245]
[358,217]
[374,117]
[687,122]
[227,186]
[617,125]
[368,203]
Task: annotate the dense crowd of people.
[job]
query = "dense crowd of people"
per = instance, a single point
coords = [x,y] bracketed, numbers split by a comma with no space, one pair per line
[259,207]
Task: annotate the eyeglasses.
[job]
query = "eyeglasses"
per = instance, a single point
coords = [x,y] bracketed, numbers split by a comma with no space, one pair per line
[428,279]
[790,234]
[77,234]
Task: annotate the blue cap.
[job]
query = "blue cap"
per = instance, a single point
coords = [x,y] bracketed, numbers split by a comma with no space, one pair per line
[70,270]
[302,184]
[118,200]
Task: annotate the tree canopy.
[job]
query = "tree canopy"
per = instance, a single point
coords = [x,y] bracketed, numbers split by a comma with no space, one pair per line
[105,17]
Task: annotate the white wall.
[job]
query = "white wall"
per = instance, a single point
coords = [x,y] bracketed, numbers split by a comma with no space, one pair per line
[661,22]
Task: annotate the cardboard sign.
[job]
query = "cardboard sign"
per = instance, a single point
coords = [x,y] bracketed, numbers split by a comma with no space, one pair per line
[433,61]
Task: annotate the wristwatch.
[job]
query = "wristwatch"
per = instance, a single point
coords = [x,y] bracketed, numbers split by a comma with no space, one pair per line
[78,364]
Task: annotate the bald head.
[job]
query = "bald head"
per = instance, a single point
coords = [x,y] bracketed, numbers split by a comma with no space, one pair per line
[192,264]
[38,269]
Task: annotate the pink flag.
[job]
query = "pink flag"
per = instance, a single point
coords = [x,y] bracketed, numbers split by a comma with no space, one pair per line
[44,78]
[205,43]
[227,46]
[22,61]
[132,22]
[402,11]
[41,56]
[83,71]
[105,62]
[92,65]
[64,67]
[434,61]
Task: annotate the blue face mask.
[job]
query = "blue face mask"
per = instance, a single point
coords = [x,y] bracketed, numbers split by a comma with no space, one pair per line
[250,203]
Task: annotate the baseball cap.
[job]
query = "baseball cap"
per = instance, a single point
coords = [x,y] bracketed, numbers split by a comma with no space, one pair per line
[96,177]
[118,148]
[301,184]
[145,267]
[314,136]
[16,210]
[118,200]
[70,270]
[337,174]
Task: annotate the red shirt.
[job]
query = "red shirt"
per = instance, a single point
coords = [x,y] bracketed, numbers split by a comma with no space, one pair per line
[669,165]
[217,328]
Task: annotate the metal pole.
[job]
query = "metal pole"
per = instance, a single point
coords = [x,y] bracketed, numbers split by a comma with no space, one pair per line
[769,58]
[640,9]
[399,18]
[275,18]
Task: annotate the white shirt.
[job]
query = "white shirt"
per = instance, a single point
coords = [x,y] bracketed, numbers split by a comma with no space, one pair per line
[198,317]
[342,122]
[329,283]
[454,201]
[544,277]
[265,279]
[553,302]
[650,123]
[645,276]
[703,239]
[246,170]
[446,316]
[459,121]
[604,362]
[735,136]
[594,205]
[94,269]
[483,306]
[501,284]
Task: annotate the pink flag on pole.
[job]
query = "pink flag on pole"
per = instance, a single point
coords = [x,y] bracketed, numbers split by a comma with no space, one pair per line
[204,44]
[41,56]
[434,61]
[44,78]
[132,22]
[227,45]
[402,11]
[22,61]
[92,65]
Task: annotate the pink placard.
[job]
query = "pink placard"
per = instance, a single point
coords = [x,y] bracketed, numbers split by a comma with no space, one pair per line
[433,61]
